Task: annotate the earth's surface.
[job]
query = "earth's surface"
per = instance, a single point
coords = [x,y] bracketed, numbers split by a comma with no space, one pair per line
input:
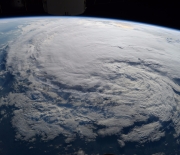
[88,86]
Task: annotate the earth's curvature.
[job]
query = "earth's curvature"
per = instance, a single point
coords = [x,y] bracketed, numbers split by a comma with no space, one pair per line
[88,86]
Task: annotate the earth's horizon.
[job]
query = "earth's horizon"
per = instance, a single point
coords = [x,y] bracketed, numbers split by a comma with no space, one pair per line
[90,86]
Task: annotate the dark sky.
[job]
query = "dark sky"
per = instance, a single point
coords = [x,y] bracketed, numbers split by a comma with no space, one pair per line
[159,12]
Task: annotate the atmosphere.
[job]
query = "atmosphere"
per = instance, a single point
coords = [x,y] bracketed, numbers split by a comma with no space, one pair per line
[82,80]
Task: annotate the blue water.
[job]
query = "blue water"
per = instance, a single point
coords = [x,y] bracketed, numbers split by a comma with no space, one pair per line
[9,31]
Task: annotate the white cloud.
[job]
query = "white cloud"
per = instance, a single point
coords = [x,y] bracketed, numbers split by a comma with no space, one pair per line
[80,152]
[148,132]
[76,77]
[121,143]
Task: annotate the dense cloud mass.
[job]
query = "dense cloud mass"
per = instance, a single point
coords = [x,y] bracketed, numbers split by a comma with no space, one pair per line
[73,75]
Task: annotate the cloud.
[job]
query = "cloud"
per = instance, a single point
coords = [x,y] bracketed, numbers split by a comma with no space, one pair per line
[71,77]
[121,143]
[148,132]
[80,152]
